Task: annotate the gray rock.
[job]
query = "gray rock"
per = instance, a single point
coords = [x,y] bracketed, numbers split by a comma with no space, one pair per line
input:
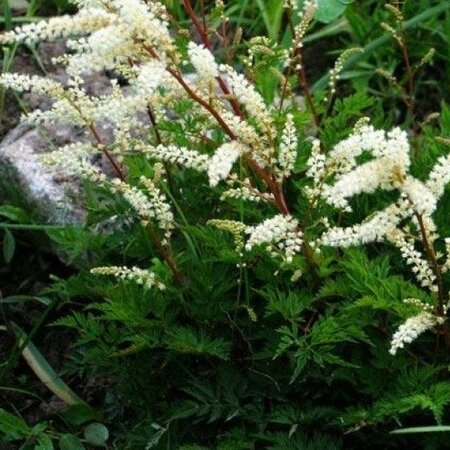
[51,193]
[44,189]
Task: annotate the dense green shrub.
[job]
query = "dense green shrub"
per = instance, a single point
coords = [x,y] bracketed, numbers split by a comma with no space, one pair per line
[244,277]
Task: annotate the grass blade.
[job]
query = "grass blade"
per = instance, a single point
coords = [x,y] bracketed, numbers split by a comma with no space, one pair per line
[42,369]
[430,429]
[7,14]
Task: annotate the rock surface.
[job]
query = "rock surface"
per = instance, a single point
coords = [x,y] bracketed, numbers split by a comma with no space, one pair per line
[53,195]
[43,189]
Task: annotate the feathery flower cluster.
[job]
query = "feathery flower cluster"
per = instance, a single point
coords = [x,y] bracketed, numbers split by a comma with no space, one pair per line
[221,163]
[336,71]
[149,77]
[250,98]
[387,170]
[421,197]
[73,105]
[177,155]
[287,153]
[439,176]
[317,171]
[203,61]
[446,265]
[74,159]
[243,189]
[412,328]
[151,207]
[418,304]
[394,144]
[374,229]
[420,267]
[87,20]
[103,49]
[307,15]
[246,133]
[143,277]
[338,176]
[259,45]
[118,108]
[111,33]
[147,22]
[35,84]
[279,234]
[366,178]
[160,206]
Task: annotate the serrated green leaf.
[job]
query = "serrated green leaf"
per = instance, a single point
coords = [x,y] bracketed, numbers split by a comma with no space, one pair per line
[96,434]
[9,246]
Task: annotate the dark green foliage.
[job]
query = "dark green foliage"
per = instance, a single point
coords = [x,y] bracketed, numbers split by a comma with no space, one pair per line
[248,357]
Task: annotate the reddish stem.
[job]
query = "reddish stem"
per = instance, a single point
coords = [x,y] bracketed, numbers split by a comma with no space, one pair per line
[99,140]
[304,83]
[103,148]
[432,257]
[203,34]
[166,255]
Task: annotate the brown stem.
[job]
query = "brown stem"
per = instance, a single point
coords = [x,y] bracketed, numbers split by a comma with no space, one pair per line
[202,7]
[273,186]
[166,255]
[442,296]
[202,31]
[410,76]
[105,151]
[304,83]
[289,69]
[225,43]
[201,28]
[152,117]
[302,76]
[99,140]
[308,325]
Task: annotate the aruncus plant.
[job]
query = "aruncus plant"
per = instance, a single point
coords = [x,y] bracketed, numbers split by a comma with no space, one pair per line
[246,148]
